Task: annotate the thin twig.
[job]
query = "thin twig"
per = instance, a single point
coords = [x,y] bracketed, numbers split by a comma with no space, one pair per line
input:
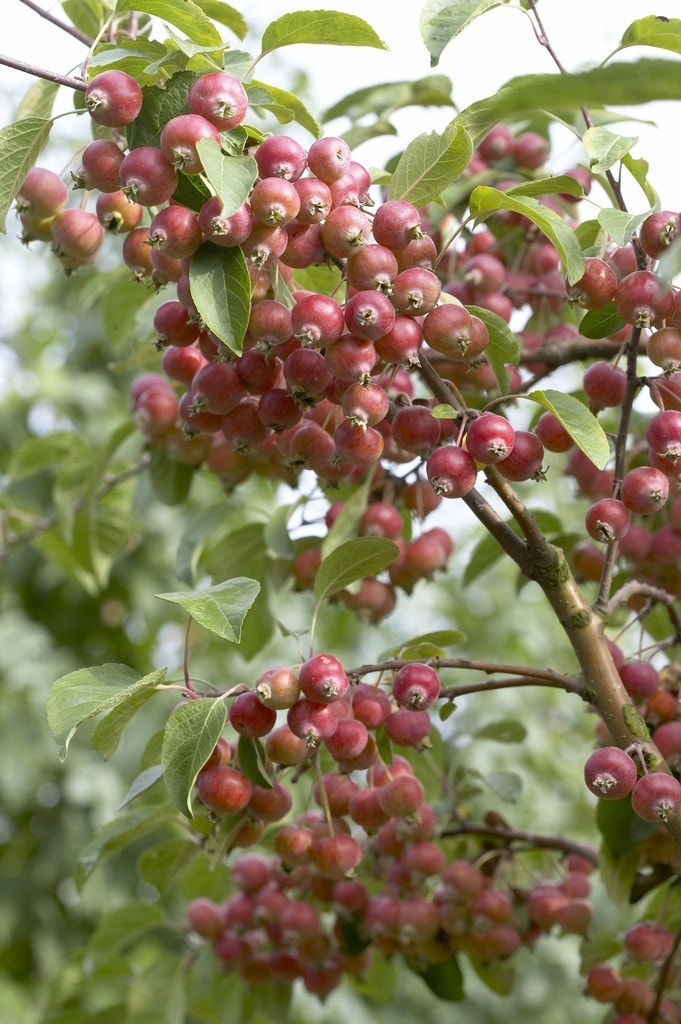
[36,72]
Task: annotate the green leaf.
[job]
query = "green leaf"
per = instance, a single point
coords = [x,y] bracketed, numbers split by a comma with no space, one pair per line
[222,608]
[664,33]
[87,15]
[497,975]
[507,785]
[231,177]
[353,560]
[285,105]
[158,107]
[429,164]
[486,200]
[444,979]
[319,28]
[277,536]
[187,16]
[144,781]
[122,927]
[80,695]
[503,347]
[598,947]
[618,874]
[37,101]
[108,732]
[506,730]
[160,864]
[581,425]
[125,829]
[344,526]
[378,100]
[620,827]
[170,479]
[221,289]
[620,225]
[441,21]
[20,145]
[413,648]
[120,305]
[605,148]
[619,84]
[158,993]
[600,323]
[252,761]
[225,15]
[189,738]
[548,186]
[40,453]
[638,168]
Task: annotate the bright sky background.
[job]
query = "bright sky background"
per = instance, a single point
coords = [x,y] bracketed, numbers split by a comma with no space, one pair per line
[493,49]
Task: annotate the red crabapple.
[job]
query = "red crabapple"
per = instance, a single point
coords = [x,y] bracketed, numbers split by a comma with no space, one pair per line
[220,98]
[113,98]
[610,773]
[656,797]
[416,686]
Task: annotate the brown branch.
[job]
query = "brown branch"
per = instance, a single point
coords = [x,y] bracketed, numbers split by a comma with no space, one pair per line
[64,26]
[526,675]
[656,595]
[535,840]
[36,72]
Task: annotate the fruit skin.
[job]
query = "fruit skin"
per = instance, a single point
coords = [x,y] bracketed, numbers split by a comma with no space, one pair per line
[113,99]
[610,773]
[416,686]
[224,790]
[656,797]
[220,98]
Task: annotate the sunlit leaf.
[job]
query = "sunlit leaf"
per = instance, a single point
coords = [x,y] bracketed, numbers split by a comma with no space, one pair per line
[87,692]
[429,164]
[618,84]
[441,21]
[486,200]
[319,28]
[503,347]
[189,738]
[20,145]
[580,423]
[353,560]
[231,177]
[605,148]
[664,33]
[187,16]
[222,608]
[221,290]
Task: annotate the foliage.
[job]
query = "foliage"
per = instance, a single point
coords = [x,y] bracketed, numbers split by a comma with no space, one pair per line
[250,630]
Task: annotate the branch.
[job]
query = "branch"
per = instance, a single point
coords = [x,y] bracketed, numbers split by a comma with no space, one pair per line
[655,594]
[64,26]
[526,675]
[535,840]
[36,72]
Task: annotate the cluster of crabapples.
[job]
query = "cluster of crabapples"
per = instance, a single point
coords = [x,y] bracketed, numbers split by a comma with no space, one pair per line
[363,862]
[332,383]
[340,386]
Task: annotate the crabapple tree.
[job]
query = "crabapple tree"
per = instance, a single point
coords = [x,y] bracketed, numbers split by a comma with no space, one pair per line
[350,386]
